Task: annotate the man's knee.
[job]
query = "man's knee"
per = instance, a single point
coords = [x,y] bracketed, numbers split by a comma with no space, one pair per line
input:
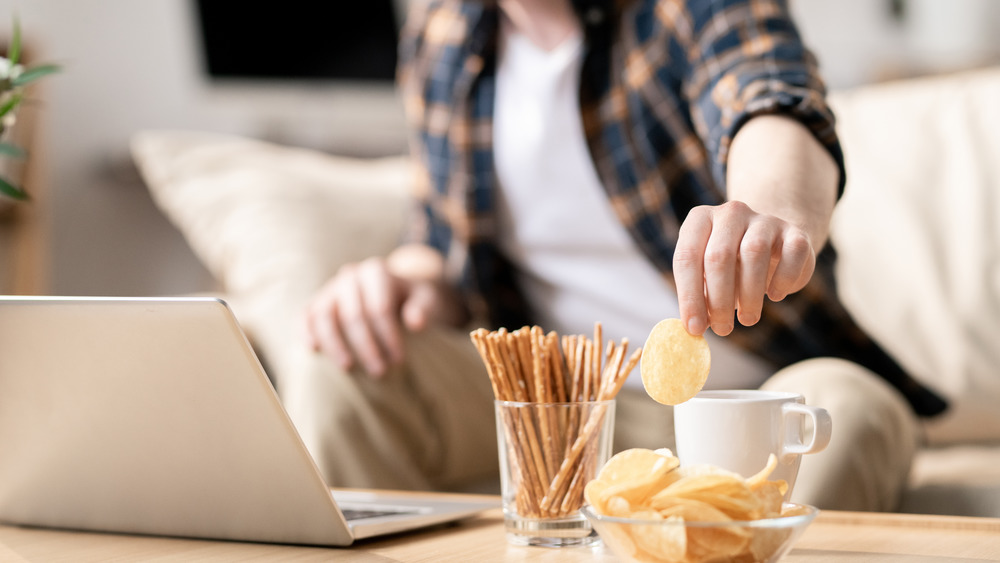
[352,429]
[845,387]
[874,438]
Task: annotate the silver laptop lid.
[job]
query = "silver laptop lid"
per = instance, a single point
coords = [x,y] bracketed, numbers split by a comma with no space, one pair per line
[149,416]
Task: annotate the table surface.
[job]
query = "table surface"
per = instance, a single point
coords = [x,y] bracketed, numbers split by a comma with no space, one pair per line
[832,537]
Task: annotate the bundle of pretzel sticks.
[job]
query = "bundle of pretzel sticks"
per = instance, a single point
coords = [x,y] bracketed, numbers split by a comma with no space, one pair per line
[552,450]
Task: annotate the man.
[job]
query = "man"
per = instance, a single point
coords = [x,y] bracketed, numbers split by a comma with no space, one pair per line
[624,162]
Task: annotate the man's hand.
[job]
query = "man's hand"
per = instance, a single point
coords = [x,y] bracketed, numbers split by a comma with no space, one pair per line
[358,317]
[781,186]
[728,257]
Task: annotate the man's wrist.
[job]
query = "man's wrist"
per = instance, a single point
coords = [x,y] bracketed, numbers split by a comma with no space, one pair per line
[416,262]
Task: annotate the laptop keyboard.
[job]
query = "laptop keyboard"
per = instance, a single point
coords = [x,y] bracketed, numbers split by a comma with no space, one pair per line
[360,513]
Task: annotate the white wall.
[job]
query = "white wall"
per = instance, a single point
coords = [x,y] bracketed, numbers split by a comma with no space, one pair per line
[133,65]
[859,41]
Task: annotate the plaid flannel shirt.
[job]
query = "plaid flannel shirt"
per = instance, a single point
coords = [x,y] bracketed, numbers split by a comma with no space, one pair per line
[665,85]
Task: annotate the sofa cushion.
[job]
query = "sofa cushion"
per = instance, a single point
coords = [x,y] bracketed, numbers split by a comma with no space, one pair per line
[268,221]
[919,239]
[956,479]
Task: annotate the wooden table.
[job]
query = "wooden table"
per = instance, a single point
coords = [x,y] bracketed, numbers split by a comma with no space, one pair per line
[834,537]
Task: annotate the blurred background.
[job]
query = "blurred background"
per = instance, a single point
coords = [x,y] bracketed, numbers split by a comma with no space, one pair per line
[317,75]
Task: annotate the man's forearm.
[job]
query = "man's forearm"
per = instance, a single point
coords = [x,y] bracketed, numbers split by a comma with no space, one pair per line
[777,167]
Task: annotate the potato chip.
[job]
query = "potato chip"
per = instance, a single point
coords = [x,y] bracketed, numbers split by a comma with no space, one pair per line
[633,475]
[766,541]
[665,542]
[637,464]
[763,474]
[690,510]
[619,506]
[619,538]
[714,541]
[705,469]
[718,543]
[726,493]
[674,364]
[769,496]
[596,494]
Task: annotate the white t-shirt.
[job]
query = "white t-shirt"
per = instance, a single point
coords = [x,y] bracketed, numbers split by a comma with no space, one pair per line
[576,262]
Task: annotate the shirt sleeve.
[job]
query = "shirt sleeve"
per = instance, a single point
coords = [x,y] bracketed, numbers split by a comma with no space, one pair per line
[431,61]
[421,220]
[746,58]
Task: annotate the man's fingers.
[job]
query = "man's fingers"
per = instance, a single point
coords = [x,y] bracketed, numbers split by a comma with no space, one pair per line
[721,255]
[419,305]
[689,273]
[380,298]
[755,258]
[795,266]
[358,332]
[323,330]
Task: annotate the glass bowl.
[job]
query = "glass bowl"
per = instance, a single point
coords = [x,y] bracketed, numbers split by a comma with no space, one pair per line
[751,541]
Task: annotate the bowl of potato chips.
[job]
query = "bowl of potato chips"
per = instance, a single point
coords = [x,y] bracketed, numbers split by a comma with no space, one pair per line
[646,507]
[674,539]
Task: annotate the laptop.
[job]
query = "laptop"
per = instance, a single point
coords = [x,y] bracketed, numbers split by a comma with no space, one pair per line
[153,416]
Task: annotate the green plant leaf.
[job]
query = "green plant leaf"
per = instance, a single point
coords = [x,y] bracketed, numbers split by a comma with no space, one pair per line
[7,149]
[12,191]
[10,104]
[34,73]
[14,52]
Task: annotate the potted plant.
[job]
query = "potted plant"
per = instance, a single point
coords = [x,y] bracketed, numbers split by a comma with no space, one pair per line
[13,78]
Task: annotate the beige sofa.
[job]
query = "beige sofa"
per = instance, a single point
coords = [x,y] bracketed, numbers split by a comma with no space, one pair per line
[917,232]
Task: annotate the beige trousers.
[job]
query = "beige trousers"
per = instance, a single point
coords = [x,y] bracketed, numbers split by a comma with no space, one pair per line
[875,436]
[427,425]
[430,424]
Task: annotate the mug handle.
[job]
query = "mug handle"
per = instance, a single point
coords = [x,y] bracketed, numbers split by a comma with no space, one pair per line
[822,428]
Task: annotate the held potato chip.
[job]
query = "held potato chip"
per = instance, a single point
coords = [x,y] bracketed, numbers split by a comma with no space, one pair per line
[674,364]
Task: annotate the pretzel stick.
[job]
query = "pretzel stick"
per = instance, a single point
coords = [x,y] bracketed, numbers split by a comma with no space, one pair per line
[523,342]
[568,344]
[577,386]
[574,370]
[598,346]
[613,367]
[531,453]
[595,374]
[588,365]
[619,380]
[478,338]
[609,356]
[556,363]
[573,499]
[541,394]
[511,350]
[503,372]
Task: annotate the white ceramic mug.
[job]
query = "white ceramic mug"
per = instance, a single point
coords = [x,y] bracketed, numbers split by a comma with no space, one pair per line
[738,429]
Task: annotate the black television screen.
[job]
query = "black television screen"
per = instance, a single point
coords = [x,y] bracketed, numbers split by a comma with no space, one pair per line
[299,39]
